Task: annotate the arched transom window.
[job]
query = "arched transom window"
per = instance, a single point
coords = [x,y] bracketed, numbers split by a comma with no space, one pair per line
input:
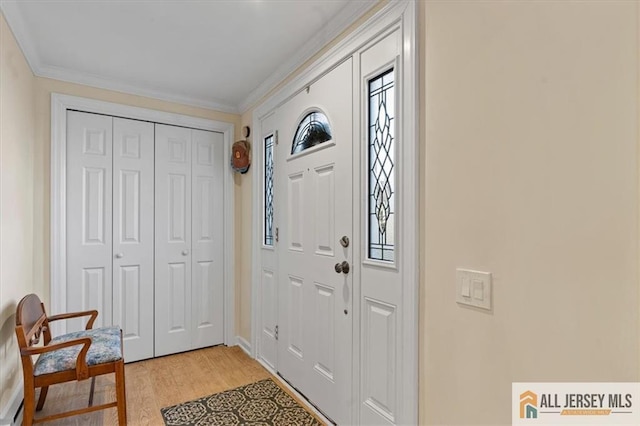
[313,130]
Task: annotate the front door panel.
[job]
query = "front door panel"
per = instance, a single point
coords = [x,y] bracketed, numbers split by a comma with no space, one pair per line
[267,308]
[314,212]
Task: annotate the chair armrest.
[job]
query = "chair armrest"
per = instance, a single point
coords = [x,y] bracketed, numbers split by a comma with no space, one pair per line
[82,370]
[93,313]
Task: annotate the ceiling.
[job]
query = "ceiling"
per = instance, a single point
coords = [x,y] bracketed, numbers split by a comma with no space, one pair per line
[220,54]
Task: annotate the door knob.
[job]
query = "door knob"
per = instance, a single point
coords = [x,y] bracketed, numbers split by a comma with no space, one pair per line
[119,255]
[344,241]
[342,267]
[185,252]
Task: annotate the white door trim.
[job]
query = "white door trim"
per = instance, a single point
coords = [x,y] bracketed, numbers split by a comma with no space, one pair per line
[58,274]
[400,14]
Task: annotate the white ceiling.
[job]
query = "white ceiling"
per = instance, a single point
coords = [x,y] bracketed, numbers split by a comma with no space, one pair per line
[220,54]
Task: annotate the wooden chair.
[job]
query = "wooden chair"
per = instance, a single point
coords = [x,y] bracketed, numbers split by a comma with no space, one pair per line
[73,356]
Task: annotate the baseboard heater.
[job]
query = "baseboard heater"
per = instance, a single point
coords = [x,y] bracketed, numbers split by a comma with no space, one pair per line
[12,413]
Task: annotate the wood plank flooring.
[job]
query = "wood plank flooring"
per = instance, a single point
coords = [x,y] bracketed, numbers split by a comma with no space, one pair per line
[157,383]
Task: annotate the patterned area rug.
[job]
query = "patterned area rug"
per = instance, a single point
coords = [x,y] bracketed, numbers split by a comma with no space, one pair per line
[259,404]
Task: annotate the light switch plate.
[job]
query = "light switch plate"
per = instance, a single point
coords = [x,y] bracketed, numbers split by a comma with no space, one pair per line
[473,288]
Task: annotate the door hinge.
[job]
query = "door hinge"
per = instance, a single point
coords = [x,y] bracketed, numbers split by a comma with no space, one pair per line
[275,136]
[277,234]
[276,332]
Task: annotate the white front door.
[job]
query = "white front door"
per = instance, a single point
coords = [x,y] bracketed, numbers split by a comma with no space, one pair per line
[314,211]
[348,342]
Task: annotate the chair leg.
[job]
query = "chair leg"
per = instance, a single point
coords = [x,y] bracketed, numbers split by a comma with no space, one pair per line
[43,396]
[121,396]
[29,404]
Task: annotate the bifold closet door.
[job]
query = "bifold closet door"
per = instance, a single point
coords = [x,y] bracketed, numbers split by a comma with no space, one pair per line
[207,269]
[173,240]
[133,215]
[110,181]
[189,274]
[89,217]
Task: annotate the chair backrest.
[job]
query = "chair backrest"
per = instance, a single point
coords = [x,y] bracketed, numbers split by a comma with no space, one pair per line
[31,322]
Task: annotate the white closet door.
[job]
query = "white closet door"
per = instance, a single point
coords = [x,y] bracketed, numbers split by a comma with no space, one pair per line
[89,204]
[173,240]
[207,232]
[133,161]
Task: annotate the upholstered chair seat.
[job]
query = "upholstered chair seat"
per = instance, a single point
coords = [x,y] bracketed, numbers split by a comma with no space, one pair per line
[105,347]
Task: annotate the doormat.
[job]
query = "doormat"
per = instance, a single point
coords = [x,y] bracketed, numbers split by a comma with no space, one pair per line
[259,403]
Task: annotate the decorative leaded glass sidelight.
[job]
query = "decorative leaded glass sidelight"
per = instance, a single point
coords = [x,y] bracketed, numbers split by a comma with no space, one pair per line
[312,130]
[382,185]
[268,190]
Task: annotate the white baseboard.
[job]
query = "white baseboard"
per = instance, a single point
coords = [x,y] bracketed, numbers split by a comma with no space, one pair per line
[244,345]
[12,413]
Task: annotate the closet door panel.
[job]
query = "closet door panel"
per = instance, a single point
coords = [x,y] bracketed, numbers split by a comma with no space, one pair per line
[89,204]
[173,296]
[133,235]
[207,181]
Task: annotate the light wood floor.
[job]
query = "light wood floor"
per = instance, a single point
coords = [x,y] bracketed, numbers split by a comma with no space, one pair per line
[157,383]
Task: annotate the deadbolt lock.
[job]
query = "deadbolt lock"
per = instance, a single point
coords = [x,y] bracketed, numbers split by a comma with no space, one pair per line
[344,241]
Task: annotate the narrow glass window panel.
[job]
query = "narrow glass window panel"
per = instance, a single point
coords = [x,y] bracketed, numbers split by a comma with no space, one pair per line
[312,130]
[268,191]
[382,185]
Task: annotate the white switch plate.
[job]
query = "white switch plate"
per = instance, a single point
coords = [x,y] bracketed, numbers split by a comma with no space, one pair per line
[473,288]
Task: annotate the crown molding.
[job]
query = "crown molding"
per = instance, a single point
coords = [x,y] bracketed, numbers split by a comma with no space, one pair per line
[347,16]
[87,79]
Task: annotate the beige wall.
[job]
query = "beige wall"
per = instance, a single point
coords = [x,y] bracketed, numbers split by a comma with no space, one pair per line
[16,200]
[531,135]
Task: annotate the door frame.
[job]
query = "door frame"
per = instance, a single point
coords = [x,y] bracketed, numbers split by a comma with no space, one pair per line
[60,104]
[400,15]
